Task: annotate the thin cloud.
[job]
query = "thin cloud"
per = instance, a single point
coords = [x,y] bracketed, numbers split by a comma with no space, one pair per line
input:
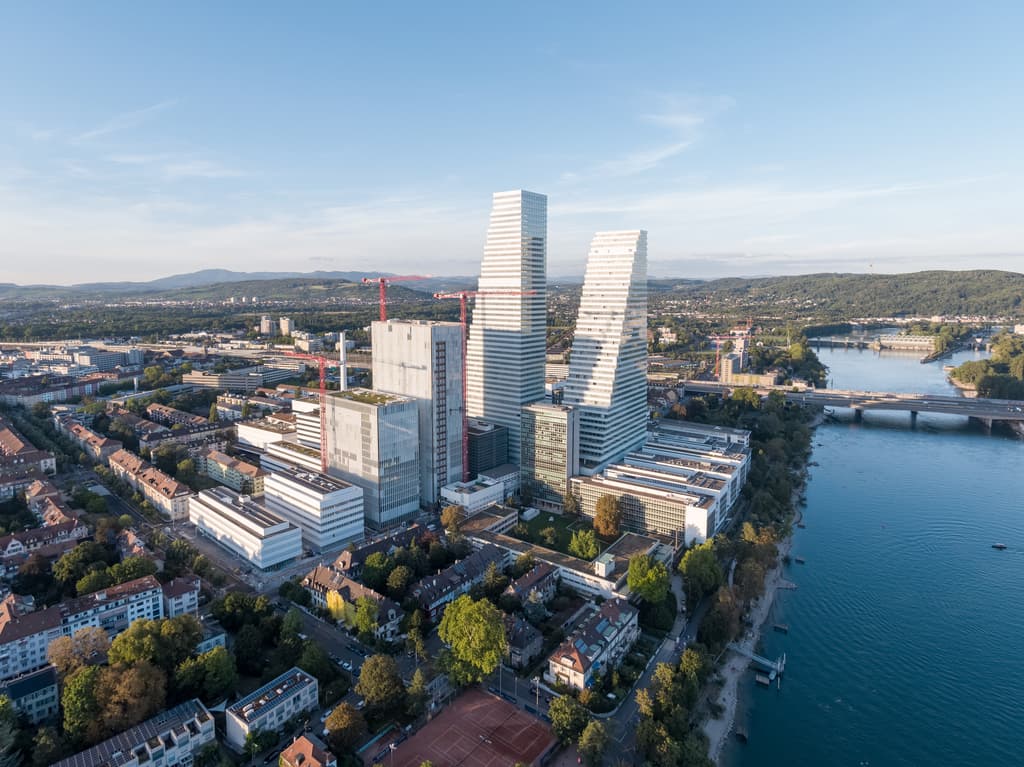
[124,121]
[173,167]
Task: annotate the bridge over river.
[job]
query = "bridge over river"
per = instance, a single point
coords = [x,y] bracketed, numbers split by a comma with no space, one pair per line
[985,410]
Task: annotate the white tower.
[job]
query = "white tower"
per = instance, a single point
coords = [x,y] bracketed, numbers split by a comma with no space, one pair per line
[507,337]
[608,368]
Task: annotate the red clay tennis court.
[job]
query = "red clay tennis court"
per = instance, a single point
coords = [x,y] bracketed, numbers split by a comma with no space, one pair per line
[477,730]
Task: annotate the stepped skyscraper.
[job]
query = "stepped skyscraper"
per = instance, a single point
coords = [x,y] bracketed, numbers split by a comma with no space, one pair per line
[608,369]
[507,337]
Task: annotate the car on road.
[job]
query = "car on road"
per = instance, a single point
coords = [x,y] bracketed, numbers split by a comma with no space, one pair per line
[346,665]
[360,704]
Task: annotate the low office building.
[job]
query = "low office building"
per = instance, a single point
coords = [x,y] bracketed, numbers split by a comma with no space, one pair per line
[236,474]
[34,694]
[269,707]
[245,527]
[260,434]
[242,380]
[473,496]
[170,738]
[329,511]
[279,456]
[338,594]
[507,474]
[435,591]
[598,645]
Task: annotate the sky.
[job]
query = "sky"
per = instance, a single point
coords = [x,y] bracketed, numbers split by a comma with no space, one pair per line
[139,140]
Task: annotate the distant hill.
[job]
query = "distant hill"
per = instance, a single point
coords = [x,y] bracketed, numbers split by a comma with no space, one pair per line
[844,296]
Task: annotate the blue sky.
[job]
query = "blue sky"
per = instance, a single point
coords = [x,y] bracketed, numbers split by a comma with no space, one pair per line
[145,139]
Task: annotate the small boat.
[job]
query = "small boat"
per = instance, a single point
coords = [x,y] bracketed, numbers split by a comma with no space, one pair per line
[762,680]
[801,525]
[800,560]
[782,628]
[741,735]
[1000,546]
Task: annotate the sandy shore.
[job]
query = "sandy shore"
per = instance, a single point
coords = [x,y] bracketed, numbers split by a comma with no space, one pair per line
[736,666]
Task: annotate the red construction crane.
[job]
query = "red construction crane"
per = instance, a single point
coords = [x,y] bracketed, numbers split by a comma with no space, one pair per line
[463,295]
[323,363]
[383,283]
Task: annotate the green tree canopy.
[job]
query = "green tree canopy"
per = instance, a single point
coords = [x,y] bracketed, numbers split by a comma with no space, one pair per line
[701,570]
[568,718]
[584,544]
[380,684]
[346,728]
[165,642]
[592,743]
[452,518]
[648,578]
[475,632]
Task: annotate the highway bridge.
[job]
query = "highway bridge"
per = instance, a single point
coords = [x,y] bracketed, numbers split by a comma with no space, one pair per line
[985,410]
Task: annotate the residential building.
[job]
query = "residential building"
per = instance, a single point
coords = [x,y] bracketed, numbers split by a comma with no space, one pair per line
[473,496]
[596,647]
[539,583]
[97,446]
[260,434]
[17,452]
[170,416]
[236,474]
[166,494]
[170,738]
[525,643]
[550,452]
[608,368]
[269,707]
[266,325]
[35,694]
[181,597]
[488,446]
[508,333]
[49,542]
[26,633]
[423,360]
[434,592]
[287,327]
[328,510]
[350,561]
[245,527]
[338,594]
[307,750]
[373,442]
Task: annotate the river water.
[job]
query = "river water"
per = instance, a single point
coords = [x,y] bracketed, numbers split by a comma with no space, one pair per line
[906,643]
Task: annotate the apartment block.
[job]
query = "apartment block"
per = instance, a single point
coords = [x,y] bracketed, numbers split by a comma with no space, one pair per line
[269,707]
[597,645]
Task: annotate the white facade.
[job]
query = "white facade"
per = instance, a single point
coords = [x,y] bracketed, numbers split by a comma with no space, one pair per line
[281,455]
[243,526]
[329,511]
[262,433]
[475,495]
[307,421]
[507,337]
[423,360]
[608,368]
[373,442]
[270,707]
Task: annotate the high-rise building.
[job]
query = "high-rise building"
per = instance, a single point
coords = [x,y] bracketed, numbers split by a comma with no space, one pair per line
[550,451]
[608,368]
[423,360]
[266,325]
[505,351]
[286,325]
[373,442]
[488,446]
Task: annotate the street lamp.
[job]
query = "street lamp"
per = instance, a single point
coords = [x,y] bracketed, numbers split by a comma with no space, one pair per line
[536,686]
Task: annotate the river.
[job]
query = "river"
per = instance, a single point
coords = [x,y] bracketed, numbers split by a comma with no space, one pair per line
[906,629]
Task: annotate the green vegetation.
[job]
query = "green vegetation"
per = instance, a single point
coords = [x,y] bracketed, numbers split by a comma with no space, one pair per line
[568,718]
[475,634]
[648,578]
[1001,376]
[584,544]
[608,516]
[836,297]
[665,734]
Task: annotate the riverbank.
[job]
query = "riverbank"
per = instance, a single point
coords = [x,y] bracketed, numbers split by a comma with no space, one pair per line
[968,390]
[737,666]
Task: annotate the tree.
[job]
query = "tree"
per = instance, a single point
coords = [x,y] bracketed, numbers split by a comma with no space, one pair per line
[48,747]
[568,718]
[380,684]
[72,566]
[524,563]
[549,535]
[79,703]
[494,582]
[346,728]
[570,505]
[592,743]
[69,653]
[213,412]
[314,661]
[365,620]
[399,580]
[129,695]
[10,754]
[607,516]
[701,570]
[416,695]
[648,578]
[452,518]
[376,570]
[165,642]
[249,649]
[475,631]
[584,544]
[415,643]
[210,676]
